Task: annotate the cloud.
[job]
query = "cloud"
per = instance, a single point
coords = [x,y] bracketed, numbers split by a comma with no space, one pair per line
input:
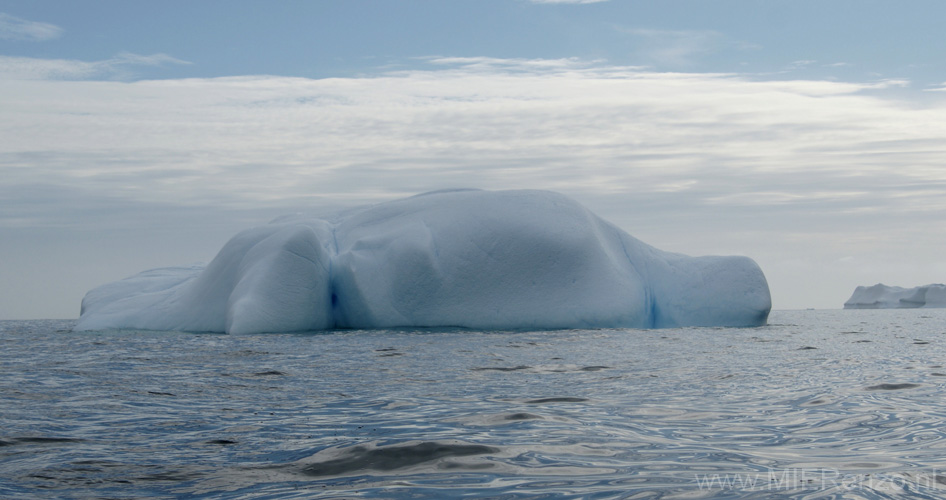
[938,89]
[559,124]
[14,28]
[512,65]
[118,67]
[678,48]
[691,162]
[800,64]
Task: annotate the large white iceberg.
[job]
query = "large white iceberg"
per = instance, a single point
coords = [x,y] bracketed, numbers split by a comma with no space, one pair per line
[881,296]
[467,258]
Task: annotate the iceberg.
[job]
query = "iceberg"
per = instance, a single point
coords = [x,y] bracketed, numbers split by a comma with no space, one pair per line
[506,260]
[881,296]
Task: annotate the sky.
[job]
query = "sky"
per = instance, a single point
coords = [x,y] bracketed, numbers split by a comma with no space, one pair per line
[808,135]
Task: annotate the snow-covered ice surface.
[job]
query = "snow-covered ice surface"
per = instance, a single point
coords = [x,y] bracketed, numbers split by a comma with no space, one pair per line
[466,258]
[881,296]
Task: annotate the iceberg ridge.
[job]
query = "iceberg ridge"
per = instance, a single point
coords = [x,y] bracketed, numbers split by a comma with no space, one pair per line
[881,296]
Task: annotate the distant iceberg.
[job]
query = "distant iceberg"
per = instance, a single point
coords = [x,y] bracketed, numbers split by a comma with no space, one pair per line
[881,296]
[466,258]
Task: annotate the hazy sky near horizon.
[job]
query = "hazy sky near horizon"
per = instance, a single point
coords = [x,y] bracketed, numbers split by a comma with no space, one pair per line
[808,135]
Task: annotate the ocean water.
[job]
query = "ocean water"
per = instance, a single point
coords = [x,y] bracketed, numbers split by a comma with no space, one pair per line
[819,404]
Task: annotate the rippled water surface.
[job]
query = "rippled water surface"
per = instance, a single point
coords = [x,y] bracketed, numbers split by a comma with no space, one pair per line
[819,404]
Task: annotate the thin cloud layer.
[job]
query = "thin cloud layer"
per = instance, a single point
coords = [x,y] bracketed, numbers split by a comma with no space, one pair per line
[15,28]
[680,48]
[676,48]
[119,67]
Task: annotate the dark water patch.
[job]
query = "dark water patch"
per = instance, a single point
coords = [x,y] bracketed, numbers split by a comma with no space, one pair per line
[94,473]
[390,354]
[496,421]
[501,368]
[269,373]
[556,400]
[920,342]
[44,477]
[98,463]
[221,441]
[594,368]
[764,340]
[521,416]
[249,352]
[522,344]
[818,401]
[891,387]
[807,348]
[385,349]
[364,458]
[156,393]
[38,440]
[938,374]
[171,476]
[862,341]
[465,466]
[864,465]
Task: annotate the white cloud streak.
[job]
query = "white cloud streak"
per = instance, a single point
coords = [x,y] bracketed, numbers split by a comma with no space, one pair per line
[119,67]
[15,28]
[699,163]
[938,89]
